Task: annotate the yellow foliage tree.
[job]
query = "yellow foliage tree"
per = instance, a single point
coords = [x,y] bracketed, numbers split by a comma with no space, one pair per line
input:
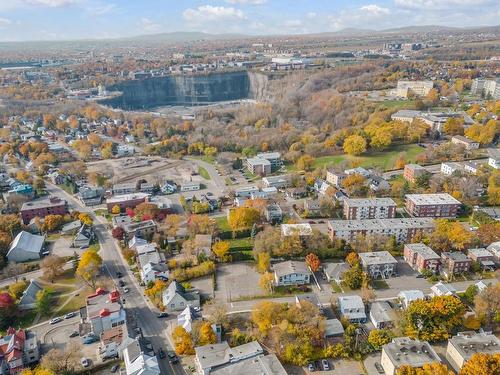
[220,249]
[354,145]
[89,267]
[207,334]
[243,217]
[482,364]
[115,210]
[182,341]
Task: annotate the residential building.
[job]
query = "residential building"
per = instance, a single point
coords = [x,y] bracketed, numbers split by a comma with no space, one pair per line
[352,308]
[451,167]
[279,182]
[421,257]
[369,208]
[291,272]
[246,359]
[454,262]
[124,150]
[144,229]
[382,315]
[83,237]
[335,271]
[176,298]
[321,186]
[403,229]
[43,207]
[186,318]
[19,349]
[403,351]
[494,158]
[333,329]
[494,249]
[471,167]
[432,205]
[485,258]
[312,207]
[379,264]
[71,228]
[203,244]
[487,88]
[302,229]
[413,171]
[122,189]
[103,311]
[126,201]
[377,183]
[297,193]
[25,247]
[273,213]
[28,299]
[273,157]
[112,342]
[258,166]
[417,88]
[405,115]
[464,141]
[408,296]
[151,272]
[190,186]
[335,178]
[465,344]
[441,289]
[140,358]
[90,195]
[358,170]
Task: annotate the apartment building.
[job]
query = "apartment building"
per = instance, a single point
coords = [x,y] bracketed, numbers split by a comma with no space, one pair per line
[43,207]
[432,205]
[335,178]
[126,201]
[379,264]
[485,258]
[258,166]
[418,88]
[465,344]
[352,308]
[405,115]
[403,229]
[369,208]
[413,171]
[464,141]
[291,273]
[421,257]
[488,88]
[103,311]
[404,351]
[455,262]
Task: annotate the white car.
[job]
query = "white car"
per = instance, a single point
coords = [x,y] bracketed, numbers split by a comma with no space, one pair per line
[56,320]
[70,315]
[126,290]
[85,362]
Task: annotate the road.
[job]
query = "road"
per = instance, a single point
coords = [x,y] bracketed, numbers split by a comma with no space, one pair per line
[136,303]
[219,181]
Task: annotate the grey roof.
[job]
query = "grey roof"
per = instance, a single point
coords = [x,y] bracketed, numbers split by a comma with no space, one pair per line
[456,256]
[469,343]
[29,294]
[214,355]
[377,257]
[310,297]
[335,271]
[411,295]
[480,253]
[441,289]
[406,113]
[405,351]
[379,224]
[27,242]
[333,327]
[381,311]
[425,251]
[364,202]
[71,226]
[290,266]
[432,199]
[261,365]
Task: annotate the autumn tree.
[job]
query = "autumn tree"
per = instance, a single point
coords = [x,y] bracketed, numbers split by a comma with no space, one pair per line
[243,218]
[118,233]
[52,266]
[220,249]
[304,163]
[482,364]
[379,337]
[207,334]
[263,262]
[65,361]
[43,301]
[381,139]
[353,277]
[201,224]
[433,368]
[352,258]
[266,282]
[355,184]
[16,289]
[37,371]
[52,222]
[354,145]
[89,267]
[313,261]
[85,219]
[450,234]
[115,210]
[172,223]
[8,310]
[494,188]
[454,126]
[182,341]
[487,304]
[146,211]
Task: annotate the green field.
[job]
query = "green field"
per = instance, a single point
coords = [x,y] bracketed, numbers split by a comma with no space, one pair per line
[240,244]
[222,223]
[203,173]
[397,104]
[382,159]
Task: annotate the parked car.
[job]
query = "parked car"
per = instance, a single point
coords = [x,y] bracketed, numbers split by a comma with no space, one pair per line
[70,315]
[121,283]
[325,364]
[379,368]
[162,315]
[161,354]
[56,320]
[420,276]
[119,274]
[115,368]
[311,368]
[126,290]
[89,339]
[85,362]
[74,334]
[172,358]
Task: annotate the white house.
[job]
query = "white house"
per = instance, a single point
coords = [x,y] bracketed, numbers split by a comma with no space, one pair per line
[408,296]
[25,247]
[291,273]
[352,308]
[494,158]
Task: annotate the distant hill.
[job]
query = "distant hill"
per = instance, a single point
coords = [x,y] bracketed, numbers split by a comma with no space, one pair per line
[182,36]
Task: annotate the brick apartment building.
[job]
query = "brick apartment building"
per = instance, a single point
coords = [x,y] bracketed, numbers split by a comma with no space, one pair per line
[432,205]
[412,172]
[43,207]
[369,208]
[126,200]
[455,262]
[421,257]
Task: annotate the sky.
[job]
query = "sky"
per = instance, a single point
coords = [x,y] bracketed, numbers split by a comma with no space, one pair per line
[89,19]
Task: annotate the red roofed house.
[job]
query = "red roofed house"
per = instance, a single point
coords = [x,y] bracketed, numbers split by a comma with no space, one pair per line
[18,349]
[103,311]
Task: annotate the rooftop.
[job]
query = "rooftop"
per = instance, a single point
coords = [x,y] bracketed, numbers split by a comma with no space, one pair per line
[258,161]
[479,253]
[126,197]
[381,224]
[102,302]
[333,327]
[411,295]
[269,155]
[432,199]
[468,343]
[425,251]
[381,311]
[456,256]
[377,257]
[262,365]
[290,266]
[405,351]
[365,202]
[214,355]
[300,229]
[43,203]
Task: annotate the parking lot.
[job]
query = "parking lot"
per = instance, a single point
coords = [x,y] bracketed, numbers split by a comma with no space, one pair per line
[237,280]
[337,367]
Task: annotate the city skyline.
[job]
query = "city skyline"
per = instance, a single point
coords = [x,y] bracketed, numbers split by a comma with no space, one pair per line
[22,20]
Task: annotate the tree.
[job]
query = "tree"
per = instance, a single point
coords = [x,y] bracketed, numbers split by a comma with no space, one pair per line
[115,210]
[65,361]
[379,337]
[354,184]
[216,311]
[207,334]
[352,258]
[313,261]
[201,224]
[118,233]
[39,184]
[172,223]
[16,289]
[8,310]
[85,219]
[220,249]
[454,126]
[304,163]
[146,210]
[354,145]
[37,371]
[263,262]
[43,301]
[265,314]
[494,188]
[487,304]
[182,341]
[434,319]
[482,364]
[266,282]
[450,234]
[353,277]
[434,368]
[243,218]
[89,267]
[52,266]
[381,139]
[52,222]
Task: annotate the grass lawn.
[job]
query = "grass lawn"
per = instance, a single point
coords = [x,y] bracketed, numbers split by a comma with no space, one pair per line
[53,236]
[203,173]
[382,159]
[397,103]
[74,304]
[222,223]
[380,284]
[336,287]
[240,244]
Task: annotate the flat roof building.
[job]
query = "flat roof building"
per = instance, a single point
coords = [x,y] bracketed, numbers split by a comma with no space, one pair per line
[432,205]
[379,264]
[403,351]
[421,257]
[462,346]
[369,208]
